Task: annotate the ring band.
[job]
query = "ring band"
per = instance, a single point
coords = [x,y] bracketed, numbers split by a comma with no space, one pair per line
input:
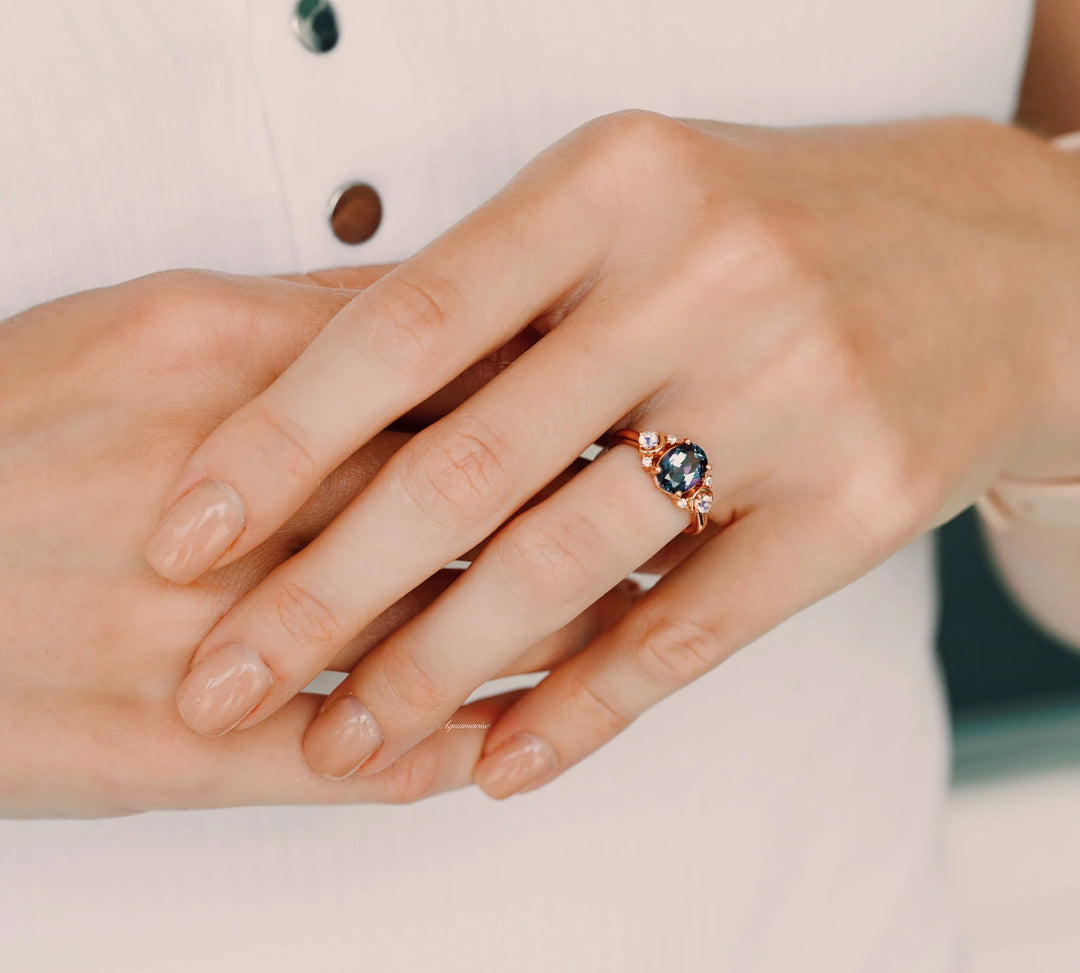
[677,467]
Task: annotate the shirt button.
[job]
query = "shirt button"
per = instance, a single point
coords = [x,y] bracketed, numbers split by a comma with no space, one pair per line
[315,25]
[355,212]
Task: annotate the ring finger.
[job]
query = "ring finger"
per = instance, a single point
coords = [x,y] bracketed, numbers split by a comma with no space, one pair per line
[444,491]
[538,657]
[544,568]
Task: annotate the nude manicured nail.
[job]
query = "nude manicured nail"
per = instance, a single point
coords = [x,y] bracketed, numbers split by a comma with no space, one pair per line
[342,738]
[224,686]
[196,532]
[520,762]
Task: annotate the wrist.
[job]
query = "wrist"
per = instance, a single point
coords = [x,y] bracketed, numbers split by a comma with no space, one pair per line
[1041,483]
[1051,450]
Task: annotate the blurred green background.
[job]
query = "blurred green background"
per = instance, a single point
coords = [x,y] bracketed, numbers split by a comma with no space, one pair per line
[1014,691]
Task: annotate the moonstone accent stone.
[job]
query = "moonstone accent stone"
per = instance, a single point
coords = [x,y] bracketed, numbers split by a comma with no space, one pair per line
[681,468]
[703,502]
[648,440]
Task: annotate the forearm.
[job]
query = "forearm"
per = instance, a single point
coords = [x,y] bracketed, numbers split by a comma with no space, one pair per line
[1039,561]
[1032,524]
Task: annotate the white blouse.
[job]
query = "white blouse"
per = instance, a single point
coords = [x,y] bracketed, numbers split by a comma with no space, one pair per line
[783,813]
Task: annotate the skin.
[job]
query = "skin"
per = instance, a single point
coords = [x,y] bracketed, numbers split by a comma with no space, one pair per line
[105,393]
[830,312]
[1040,563]
[94,644]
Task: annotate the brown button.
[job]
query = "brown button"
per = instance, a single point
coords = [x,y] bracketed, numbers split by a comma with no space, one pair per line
[355,213]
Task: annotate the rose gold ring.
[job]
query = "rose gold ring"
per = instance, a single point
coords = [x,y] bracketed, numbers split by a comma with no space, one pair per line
[677,467]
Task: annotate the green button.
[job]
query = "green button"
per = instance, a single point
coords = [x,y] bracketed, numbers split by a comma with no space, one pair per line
[315,25]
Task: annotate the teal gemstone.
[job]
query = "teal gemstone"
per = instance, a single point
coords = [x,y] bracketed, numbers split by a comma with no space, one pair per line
[681,468]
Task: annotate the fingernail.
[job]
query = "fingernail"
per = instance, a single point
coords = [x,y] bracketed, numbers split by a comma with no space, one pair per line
[223,688]
[519,763]
[342,738]
[196,532]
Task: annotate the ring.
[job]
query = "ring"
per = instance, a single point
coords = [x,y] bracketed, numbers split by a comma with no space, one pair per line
[678,467]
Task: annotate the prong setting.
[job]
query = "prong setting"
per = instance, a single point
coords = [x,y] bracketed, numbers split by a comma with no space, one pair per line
[678,467]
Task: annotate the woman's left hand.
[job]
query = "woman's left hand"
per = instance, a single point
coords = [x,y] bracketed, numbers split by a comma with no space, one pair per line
[861,326]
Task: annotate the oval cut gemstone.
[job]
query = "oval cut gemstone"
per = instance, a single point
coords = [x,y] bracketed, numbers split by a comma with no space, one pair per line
[681,468]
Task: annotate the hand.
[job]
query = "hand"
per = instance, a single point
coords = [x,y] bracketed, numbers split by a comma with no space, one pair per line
[104,394]
[861,326]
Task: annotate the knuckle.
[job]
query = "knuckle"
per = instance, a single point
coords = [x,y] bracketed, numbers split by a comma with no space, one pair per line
[409,322]
[594,713]
[717,258]
[546,559]
[621,149]
[455,474]
[164,287]
[307,619]
[888,498]
[158,303]
[766,243]
[671,651]
[281,442]
[179,320]
[637,134]
[415,688]
[412,777]
[826,367]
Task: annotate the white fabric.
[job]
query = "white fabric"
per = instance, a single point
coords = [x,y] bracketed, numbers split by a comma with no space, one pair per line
[781,814]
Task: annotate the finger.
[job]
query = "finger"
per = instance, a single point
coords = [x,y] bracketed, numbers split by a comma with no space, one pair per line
[397,342]
[548,652]
[461,386]
[444,491]
[757,572]
[678,549]
[346,483]
[534,577]
[569,640]
[266,766]
[342,487]
[279,316]
[351,278]
[251,328]
[333,495]
[240,577]
[543,655]
[389,621]
[464,385]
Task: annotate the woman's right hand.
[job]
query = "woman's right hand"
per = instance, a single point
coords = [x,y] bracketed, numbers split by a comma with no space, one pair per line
[104,394]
